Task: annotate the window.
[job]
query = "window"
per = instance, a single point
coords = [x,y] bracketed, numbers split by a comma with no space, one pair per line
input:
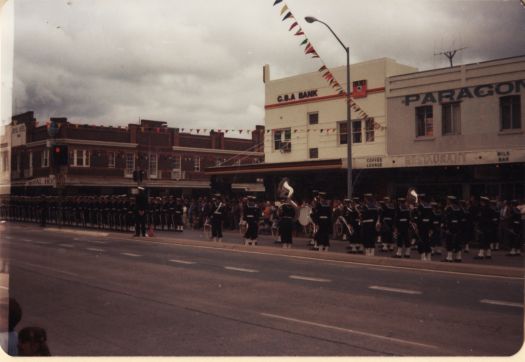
[369,129]
[177,163]
[510,112]
[30,164]
[44,158]
[424,121]
[343,134]
[130,165]
[5,160]
[314,153]
[282,139]
[357,134]
[81,158]
[313,118]
[450,119]
[153,165]
[111,159]
[197,164]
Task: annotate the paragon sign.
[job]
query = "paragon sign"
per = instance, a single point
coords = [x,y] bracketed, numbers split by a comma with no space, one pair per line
[456,95]
[297,95]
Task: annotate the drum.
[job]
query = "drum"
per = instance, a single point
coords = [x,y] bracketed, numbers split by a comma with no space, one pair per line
[243,227]
[304,215]
[207,229]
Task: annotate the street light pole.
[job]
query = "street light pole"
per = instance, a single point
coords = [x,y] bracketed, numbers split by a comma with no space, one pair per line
[311,19]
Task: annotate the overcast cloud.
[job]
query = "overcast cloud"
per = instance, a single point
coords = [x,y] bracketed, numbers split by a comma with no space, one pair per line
[199,63]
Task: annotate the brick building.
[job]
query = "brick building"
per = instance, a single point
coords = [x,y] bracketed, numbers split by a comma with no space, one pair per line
[102,160]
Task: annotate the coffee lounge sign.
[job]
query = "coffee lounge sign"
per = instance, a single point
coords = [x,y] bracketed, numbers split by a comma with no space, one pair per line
[297,96]
[456,95]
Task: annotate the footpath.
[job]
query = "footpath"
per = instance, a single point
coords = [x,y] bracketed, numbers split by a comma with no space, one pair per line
[500,265]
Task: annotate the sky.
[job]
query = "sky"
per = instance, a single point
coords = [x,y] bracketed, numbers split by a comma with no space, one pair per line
[198,63]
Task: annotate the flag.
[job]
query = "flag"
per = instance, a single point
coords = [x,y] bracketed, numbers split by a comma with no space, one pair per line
[293,26]
[299,32]
[277,2]
[289,15]
[283,10]
[304,42]
[323,68]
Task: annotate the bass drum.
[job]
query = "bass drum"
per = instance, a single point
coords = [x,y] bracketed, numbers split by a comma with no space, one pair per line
[304,215]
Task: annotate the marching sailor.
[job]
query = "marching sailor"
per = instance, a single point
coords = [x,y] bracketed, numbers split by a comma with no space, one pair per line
[453,215]
[435,233]
[424,227]
[322,216]
[387,219]
[178,212]
[251,215]
[370,217]
[484,226]
[401,226]
[286,213]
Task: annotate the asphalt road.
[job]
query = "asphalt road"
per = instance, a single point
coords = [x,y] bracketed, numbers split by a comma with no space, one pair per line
[124,296]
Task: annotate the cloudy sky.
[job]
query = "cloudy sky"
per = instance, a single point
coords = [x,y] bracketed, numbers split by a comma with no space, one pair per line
[199,62]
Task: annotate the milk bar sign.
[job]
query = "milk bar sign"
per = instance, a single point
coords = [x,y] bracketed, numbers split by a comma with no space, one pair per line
[456,95]
[297,95]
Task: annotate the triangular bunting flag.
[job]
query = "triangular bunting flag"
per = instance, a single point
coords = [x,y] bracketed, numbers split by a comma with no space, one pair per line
[293,26]
[323,68]
[283,10]
[277,2]
[304,42]
[299,32]
[289,15]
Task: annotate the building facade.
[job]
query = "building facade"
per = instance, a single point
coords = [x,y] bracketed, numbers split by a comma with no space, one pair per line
[459,129]
[103,160]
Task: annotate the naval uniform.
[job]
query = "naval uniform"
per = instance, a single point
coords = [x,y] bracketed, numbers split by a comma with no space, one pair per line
[287,214]
[216,219]
[251,214]
[322,216]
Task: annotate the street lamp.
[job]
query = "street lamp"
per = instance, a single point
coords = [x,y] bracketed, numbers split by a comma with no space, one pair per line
[311,19]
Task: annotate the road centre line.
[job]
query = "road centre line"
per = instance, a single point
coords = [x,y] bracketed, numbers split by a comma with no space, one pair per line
[241,269]
[21,264]
[95,249]
[320,280]
[66,245]
[182,262]
[394,290]
[501,302]
[27,240]
[42,242]
[352,331]
[131,254]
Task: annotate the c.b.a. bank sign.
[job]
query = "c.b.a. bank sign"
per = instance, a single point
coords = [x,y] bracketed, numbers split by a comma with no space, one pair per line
[456,95]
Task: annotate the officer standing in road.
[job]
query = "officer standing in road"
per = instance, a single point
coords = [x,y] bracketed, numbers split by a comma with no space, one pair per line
[216,217]
[251,215]
[388,213]
[141,209]
[424,228]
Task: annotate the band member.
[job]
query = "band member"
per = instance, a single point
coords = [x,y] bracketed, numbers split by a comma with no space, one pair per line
[216,217]
[322,217]
[369,219]
[401,226]
[286,214]
[484,226]
[388,213]
[346,217]
[466,226]
[141,208]
[424,228]
[495,220]
[453,215]
[251,215]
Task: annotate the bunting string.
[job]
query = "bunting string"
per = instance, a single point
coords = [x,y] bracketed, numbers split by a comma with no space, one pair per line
[310,50]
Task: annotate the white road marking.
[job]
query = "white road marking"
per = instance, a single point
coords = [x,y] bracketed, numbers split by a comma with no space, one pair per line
[95,249]
[131,254]
[241,269]
[501,302]
[353,331]
[27,240]
[394,290]
[320,280]
[42,242]
[66,245]
[95,241]
[182,262]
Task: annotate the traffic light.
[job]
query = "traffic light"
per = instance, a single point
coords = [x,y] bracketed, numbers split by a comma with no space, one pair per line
[59,155]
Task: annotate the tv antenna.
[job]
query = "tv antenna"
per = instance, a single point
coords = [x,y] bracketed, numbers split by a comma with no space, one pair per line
[450,54]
